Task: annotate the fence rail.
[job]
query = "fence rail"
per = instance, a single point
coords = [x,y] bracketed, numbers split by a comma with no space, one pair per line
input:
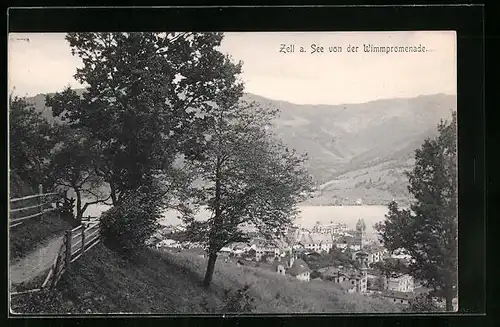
[75,243]
[44,200]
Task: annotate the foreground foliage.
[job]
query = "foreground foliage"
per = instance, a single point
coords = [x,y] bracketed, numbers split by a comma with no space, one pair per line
[127,227]
[428,231]
[144,102]
[250,178]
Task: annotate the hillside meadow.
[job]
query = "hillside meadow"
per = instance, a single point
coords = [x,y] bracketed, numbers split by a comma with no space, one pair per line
[170,283]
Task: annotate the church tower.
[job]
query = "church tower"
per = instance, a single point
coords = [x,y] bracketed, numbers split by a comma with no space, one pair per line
[361,232]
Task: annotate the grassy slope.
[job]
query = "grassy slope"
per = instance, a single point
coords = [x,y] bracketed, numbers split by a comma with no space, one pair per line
[156,282]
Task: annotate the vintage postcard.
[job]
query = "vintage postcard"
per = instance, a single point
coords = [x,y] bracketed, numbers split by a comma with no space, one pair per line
[233,173]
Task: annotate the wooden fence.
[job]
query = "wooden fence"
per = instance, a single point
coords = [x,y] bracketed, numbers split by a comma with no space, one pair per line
[25,204]
[76,242]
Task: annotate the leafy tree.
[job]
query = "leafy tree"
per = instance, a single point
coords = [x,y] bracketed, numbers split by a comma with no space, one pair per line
[422,303]
[249,177]
[316,274]
[145,100]
[391,267]
[428,230]
[72,168]
[31,141]
[128,226]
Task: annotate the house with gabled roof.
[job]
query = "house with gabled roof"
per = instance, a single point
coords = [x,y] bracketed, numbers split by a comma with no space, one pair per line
[300,270]
[297,268]
[358,279]
[400,283]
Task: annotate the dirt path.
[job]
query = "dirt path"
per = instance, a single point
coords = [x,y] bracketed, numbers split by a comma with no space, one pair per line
[36,262]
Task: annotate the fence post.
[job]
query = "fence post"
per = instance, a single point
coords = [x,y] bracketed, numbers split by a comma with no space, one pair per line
[40,200]
[68,249]
[83,239]
[56,272]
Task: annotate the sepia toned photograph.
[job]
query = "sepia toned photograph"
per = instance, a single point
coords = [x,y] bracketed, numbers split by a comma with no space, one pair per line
[232,173]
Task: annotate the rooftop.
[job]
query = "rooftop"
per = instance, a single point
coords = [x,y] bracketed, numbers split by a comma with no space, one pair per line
[298,267]
[321,238]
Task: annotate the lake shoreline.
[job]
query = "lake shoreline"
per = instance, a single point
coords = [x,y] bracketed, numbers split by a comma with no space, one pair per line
[308,215]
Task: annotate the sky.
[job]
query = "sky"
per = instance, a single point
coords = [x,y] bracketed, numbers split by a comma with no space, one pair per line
[42,63]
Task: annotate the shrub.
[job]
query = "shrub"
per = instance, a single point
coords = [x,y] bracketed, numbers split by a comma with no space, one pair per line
[422,303]
[127,227]
[236,301]
[316,274]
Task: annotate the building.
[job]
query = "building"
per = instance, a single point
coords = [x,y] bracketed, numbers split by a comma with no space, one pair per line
[168,244]
[358,241]
[317,242]
[379,252]
[266,249]
[402,298]
[295,267]
[355,242]
[280,269]
[224,253]
[341,242]
[332,228]
[403,283]
[300,270]
[360,282]
[370,255]
[357,279]
[362,257]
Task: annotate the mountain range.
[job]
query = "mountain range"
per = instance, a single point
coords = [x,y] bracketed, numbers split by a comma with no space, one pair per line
[360,151]
[355,151]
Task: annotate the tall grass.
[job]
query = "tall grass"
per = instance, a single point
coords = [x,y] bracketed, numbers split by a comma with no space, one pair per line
[282,294]
[102,281]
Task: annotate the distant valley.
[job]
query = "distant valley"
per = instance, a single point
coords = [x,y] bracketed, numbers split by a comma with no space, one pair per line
[360,151]
[356,151]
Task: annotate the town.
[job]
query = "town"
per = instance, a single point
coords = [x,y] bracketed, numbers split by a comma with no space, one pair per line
[328,252]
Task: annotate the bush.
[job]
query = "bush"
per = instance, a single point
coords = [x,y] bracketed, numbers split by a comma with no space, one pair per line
[422,303]
[237,301]
[127,227]
[316,274]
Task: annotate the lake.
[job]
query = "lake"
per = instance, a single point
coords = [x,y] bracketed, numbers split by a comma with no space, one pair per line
[307,218]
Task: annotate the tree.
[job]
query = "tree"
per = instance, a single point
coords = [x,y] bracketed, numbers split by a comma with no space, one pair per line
[249,178]
[72,168]
[391,267]
[316,274]
[31,141]
[145,100]
[428,230]
[422,303]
